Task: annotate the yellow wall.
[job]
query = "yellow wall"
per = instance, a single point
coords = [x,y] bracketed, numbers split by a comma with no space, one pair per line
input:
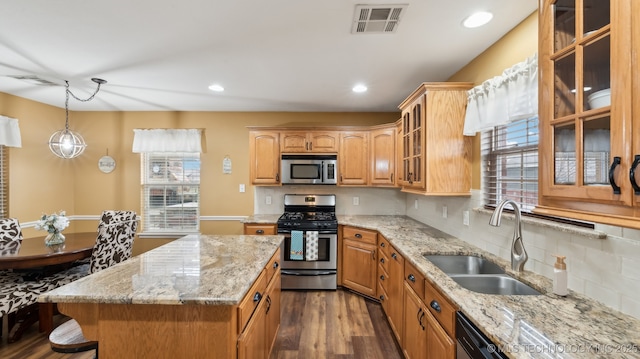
[516,46]
[42,183]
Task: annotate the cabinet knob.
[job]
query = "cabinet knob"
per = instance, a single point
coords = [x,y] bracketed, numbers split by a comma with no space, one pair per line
[394,256]
[382,244]
[257,297]
[358,235]
[382,297]
[382,277]
[435,306]
[412,278]
[382,260]
[276,264]
[259,231]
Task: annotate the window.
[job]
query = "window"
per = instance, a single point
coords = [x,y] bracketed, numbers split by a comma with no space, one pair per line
[4,182]
[171,192]
[510,163]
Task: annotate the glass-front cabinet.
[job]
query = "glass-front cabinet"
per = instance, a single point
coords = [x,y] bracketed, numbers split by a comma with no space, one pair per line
[586,116]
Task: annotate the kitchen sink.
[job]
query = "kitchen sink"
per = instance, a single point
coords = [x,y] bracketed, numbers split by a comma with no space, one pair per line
[463,264]
[494,284]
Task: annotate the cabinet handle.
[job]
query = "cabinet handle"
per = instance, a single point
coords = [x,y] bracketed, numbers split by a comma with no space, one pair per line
[412,278]
[382,244]
[340,178]
[435,306]
[276,264]
[277,177]
[394,256]
[382,260]
[373,255]
[310,146]
[612,182]
[257,297]
[259,231]
[268,304]
[382,277]
[391,178]
[632,175]
[420,315]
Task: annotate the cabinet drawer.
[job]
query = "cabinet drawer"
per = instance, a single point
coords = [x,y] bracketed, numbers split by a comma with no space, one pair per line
[273,266]
[414,278]
[249,302]
[383,278]
[383,260]
[383,245]
[443,310]
[361,235]
[260,229]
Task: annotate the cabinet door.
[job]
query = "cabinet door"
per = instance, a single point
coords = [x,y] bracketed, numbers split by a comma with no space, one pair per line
[585,134]
[440,345]
[264,149]
[414,341]
[353,158]
[252,342]
[359,266]
[395,293]
[382,156]
[272,311]
[293,142]
[323,141]
[413,144]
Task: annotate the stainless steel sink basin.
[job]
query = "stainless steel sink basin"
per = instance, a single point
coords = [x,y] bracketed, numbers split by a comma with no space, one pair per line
[462,264]
[494,284]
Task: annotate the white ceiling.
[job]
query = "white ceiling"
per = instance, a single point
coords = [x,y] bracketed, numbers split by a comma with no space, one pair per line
[277,55]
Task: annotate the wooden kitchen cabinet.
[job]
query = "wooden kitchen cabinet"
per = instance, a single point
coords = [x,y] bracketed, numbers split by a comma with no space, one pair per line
[359,260]
[353,158]
[309,141]
[264,157]
[414,341]
[435,156]
[587,150]
[259,229]
[383,156]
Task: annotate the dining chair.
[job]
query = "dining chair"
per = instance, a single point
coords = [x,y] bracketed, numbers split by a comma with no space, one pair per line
[10,236]
[114,244]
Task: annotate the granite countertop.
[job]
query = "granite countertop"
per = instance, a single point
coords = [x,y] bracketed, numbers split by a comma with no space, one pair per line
[195,269]
[539,326]
[262,218]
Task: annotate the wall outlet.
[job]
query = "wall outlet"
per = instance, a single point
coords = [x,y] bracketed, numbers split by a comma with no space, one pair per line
[444,211]
[241,188]
[415,204]
[465,218]
[356,201]
[267,199]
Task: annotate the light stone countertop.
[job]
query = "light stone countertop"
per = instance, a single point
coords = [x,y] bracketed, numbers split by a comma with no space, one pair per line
[195,269]
[262,218]
[540,326]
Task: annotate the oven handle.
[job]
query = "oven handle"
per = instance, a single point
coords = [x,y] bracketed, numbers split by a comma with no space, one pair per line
[315,273]
[288,232]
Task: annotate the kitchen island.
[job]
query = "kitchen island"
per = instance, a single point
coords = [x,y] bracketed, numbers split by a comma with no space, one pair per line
[185,299]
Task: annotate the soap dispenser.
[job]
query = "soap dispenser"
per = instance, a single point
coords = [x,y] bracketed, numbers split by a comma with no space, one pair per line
[560,276]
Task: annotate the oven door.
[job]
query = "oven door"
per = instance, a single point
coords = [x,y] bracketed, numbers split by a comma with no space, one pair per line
[327,253]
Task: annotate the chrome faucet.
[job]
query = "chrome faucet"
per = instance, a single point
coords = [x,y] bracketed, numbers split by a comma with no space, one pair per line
[518,254]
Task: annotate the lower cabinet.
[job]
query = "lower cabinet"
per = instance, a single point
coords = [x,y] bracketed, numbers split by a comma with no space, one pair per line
[414,341]
[359,266]
[258,335]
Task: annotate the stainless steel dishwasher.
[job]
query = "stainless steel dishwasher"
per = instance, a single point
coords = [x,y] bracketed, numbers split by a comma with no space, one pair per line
[472,343]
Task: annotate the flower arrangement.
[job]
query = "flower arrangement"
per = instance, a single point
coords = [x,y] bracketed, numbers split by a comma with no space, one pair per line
[53,223]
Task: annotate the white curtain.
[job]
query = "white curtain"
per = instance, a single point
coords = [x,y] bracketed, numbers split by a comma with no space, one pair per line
[503,99]
[10,132]
[167,140]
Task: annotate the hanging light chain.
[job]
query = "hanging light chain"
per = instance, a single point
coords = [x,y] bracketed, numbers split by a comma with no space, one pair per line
[68,92]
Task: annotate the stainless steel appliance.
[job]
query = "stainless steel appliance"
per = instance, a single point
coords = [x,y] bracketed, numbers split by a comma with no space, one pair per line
[472,343]
[309,215]
[309,169]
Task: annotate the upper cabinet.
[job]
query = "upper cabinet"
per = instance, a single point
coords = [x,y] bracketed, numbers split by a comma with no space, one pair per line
[435,157]
[382,156]
[264,157]
[309,141]
[588,82]
[353,159]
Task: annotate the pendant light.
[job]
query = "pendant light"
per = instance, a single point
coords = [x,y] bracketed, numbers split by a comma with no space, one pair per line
[66,143]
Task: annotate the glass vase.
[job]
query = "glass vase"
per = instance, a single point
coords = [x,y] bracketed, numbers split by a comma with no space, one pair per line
[54,239]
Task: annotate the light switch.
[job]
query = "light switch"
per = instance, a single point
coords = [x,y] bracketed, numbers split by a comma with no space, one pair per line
[241,188]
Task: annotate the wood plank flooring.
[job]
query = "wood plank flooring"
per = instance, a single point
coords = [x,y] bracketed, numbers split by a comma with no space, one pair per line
[315,324]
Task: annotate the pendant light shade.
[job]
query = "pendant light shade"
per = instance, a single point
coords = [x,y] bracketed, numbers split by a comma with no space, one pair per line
[66,143]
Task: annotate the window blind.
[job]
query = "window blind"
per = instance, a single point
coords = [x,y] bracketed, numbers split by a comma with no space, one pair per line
[4,182]
[510,164]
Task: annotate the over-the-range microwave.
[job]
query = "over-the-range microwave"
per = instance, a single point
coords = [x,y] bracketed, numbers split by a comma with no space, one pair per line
[309,169]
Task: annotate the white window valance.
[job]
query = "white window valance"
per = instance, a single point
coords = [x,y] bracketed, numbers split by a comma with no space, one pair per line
[10,132]
[167,140]
[503,99]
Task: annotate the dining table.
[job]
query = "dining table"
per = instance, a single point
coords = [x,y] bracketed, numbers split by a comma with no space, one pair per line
[34,259]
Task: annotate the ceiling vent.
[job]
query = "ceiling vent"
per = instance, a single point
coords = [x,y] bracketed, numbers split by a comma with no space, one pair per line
[377,19]
[34,80]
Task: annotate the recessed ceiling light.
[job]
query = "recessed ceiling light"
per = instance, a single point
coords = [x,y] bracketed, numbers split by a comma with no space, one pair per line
[478,19]
[216,88]
[359,88]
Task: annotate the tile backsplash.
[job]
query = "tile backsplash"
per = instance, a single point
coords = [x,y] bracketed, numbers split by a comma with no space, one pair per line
[606,269]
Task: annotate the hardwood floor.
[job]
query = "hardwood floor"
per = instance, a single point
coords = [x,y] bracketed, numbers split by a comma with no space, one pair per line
[316,324]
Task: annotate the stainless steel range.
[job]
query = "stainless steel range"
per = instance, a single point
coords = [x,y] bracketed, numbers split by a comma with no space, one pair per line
[309,251]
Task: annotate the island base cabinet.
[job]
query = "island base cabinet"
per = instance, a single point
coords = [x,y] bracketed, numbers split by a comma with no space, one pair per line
[252,342]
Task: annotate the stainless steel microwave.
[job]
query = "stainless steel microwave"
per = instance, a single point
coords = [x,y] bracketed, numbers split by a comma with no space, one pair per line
[309,169]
